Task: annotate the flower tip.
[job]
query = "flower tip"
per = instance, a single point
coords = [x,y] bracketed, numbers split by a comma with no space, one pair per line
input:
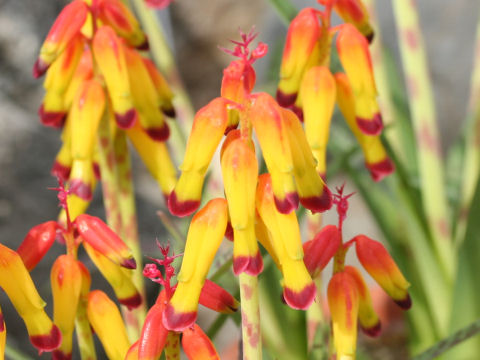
[175,321]
[60,170]
[144,46]
[159,133]
[131,302]
[370,36]
[284,99]
[381,169]
[126,120]
[288,204]
[181,208]
[297,110]
[169,111]
[374,330]
[47,342]
[229,231]
[372,126]
[54,119]
[230,128]
[81,189]
[405,303]
[251,265]
[39,68]
[300,300]
[129,263]
[60,355]
[318,203]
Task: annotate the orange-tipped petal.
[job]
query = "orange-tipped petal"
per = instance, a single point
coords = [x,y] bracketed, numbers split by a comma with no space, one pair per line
[355,58]
[240,171]
[321,249]
[318,100]
[156,158]
[203,239]
[145,96]
[376,158]
[313,193]
[66,26]
[110,58]
[107,322]
[164,94]
[367,317]
[18,285]
[197,345]
[103,239]
[54,108]
[66,282]
[216,298]
[299,290]
[343,302]
[154,335]
[119,17]
[208,128]
[379,264]
[119,278]
[302,50]
[272,134]
[37,243]
[355,12]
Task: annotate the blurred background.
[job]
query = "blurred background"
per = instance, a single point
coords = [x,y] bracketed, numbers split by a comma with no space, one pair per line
[196,29]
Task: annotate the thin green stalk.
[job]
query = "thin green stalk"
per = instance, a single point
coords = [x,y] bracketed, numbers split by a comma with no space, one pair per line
[251,334]
[424,122]
[15,354]
[285,9]
[171,227]
[128,215]
[172,346]
[471,165]
[315,324]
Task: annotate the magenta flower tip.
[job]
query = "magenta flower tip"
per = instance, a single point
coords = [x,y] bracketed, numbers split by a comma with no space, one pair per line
[371,127]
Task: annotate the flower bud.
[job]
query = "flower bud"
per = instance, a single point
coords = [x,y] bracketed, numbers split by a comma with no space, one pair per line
[321,249]
[216,298]
[355,13]
[197,345]
[379,264]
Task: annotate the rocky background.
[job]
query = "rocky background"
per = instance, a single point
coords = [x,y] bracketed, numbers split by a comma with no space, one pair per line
[27,149]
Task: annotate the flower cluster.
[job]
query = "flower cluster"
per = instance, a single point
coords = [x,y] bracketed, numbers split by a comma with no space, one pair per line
[156,336]
[308,87]
[95,69]
[349,298]
[70,282]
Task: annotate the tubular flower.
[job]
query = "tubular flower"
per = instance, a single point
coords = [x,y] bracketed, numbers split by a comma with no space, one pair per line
[66,27]
[3,336]
[37,243]
[208,128]
[104,240]
[355,13]
[66,282]
[96,73]
[318,100]
[321,249]
[343,301]
[355,58]
[197,345]
[216,298]
[240,169]
[299,289]
[376,158]
[314,194]
[18,285]
[119,278]
[379,264]
[107,322]
[369,321]
[204,236]
[302,51]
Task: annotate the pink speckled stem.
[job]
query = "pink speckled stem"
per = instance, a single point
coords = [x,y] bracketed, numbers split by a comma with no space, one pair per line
[172,346]
[251,334]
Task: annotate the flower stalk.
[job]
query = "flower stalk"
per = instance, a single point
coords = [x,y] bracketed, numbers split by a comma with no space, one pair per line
[251,334]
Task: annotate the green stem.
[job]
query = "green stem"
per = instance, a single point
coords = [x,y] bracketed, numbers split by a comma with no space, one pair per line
[251,334]
[172,346]
[424,122]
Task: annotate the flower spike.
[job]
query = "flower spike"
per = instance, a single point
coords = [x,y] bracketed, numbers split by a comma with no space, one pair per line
[240,171]
[103,239]
[379,264]
[20,289]
[355,58]
[302,51]
[107,322]
[343,301]
[321,249]
[37,243]
[66,282]
[66,26]
[272,134]
[203,239]
[208,128]
[197,345]
[298,288]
